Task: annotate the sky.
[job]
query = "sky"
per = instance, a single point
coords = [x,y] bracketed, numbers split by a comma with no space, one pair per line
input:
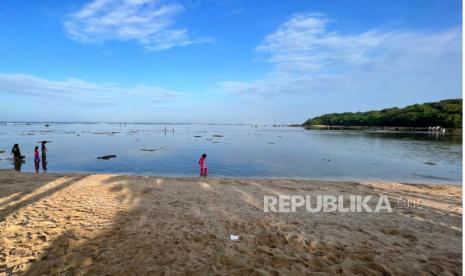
[225,61]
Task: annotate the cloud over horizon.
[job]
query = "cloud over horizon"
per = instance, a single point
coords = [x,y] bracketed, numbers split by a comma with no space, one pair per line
[150,23]
[310,59]
[75,90]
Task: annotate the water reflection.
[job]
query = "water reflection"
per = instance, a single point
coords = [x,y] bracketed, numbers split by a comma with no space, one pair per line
[424,136]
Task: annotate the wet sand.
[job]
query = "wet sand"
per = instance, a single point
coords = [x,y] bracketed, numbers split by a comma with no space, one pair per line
[105,224]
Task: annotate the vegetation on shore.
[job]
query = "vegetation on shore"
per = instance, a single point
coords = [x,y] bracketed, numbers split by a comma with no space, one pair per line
[446,113]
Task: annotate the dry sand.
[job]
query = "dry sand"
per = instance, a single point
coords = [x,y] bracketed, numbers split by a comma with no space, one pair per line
[78,224]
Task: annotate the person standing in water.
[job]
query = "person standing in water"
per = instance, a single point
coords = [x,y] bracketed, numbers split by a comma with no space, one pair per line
[203,166]
[16,153]
[44,155]
[18,164]
[18,159]
[44,150]
[36,158]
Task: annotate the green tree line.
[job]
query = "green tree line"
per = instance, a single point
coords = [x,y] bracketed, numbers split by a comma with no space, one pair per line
[446,113]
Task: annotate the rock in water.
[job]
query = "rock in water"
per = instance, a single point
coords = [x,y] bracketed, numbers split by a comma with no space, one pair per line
[106,157]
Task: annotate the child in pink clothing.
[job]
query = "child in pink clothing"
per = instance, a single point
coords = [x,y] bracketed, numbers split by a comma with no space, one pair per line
[203,166]
[36,159]
[36,154]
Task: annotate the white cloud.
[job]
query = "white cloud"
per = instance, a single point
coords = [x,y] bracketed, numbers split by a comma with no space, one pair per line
[79,91]
[149,22]
[310,59]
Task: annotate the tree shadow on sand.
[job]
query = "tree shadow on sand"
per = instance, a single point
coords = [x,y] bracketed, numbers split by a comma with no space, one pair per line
[183,226]
[28,190]
[20,192]
[178,226]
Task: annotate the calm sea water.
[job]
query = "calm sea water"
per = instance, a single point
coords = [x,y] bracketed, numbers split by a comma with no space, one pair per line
[238,151]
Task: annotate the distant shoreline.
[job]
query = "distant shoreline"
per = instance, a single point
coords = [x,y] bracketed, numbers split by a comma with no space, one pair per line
[426,181]
[385,128]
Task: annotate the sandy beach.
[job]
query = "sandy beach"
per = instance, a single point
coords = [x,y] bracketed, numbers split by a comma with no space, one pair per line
[82,224]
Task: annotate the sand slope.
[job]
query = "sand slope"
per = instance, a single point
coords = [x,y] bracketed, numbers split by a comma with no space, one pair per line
[77,224]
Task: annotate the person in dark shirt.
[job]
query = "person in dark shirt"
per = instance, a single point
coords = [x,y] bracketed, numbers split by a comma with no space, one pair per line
[44,150]
[16,153]
[18,159]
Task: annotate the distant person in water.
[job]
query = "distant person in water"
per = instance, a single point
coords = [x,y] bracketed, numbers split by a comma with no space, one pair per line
[203,166]
[44,150]
[18,163]
[36,159]
[16,153]
[44,155]
[36,154]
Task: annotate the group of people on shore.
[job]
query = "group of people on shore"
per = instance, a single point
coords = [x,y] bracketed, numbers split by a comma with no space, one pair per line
[19,159]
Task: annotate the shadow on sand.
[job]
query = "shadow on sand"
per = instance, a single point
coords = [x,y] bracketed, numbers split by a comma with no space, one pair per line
[182,226]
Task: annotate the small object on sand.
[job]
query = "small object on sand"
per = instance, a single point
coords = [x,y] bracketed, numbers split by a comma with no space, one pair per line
[106,157]
[234,237]
[47,125]
[430,163]
[217,135]
[197,136]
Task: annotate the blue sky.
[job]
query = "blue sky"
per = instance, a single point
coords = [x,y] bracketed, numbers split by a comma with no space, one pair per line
[224,61]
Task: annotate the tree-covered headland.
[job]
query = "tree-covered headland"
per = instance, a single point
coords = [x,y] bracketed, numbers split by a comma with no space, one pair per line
[446,114]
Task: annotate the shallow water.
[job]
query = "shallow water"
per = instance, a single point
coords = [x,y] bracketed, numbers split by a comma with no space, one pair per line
[242,151]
